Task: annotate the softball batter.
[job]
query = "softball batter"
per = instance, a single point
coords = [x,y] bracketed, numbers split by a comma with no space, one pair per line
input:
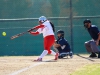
[47,29]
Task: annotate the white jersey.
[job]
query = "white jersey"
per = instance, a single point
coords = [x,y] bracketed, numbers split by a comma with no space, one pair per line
[46,30]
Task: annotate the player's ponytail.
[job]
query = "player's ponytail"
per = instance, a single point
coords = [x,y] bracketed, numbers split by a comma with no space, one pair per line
[52,25]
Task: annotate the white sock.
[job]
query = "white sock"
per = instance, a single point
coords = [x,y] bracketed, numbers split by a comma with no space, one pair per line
[52,52]
[45,52]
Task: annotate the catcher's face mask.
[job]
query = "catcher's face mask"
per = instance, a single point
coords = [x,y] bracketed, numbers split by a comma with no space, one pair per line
[58,35]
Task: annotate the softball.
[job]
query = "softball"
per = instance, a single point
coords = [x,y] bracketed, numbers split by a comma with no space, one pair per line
[4,33]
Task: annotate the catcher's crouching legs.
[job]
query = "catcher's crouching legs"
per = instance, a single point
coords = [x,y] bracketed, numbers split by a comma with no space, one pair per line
[61,56]
[65,54]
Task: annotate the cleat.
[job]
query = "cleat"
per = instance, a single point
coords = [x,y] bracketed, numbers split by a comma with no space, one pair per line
[60,57]
[71,54]
[56,56]
[99,55]
[93,55]
[38,60]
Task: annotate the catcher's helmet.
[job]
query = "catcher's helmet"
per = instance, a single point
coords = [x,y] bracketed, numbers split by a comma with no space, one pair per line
[60,32]
[42,19]
[86,21]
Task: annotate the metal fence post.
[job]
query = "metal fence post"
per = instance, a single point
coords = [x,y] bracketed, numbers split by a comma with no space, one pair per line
[71,25]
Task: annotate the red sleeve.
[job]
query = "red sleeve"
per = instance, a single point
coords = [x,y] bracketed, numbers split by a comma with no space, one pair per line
[39,26]
[34,33]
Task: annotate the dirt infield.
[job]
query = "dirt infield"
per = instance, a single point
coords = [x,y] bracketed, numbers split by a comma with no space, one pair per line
[23,65]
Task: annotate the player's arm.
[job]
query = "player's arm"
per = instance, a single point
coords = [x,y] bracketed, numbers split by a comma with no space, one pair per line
[34,33]
[36,27]
[98,37]
[55,44]
[39,26]
[96,30]
[97,42]
[62,44]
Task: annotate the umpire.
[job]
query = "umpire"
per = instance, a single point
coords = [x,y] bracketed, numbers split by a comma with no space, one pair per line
[92,45]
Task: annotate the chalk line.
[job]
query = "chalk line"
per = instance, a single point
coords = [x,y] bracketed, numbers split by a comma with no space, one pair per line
[27,68]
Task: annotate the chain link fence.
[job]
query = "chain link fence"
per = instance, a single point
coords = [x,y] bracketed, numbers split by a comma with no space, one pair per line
[20,15]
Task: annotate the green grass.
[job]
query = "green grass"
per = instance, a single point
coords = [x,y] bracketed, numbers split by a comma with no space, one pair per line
[92,69]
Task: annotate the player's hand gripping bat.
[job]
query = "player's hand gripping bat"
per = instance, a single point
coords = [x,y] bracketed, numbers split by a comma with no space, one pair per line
[20,34]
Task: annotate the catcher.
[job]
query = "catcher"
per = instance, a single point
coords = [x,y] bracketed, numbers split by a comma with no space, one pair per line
[62,46]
